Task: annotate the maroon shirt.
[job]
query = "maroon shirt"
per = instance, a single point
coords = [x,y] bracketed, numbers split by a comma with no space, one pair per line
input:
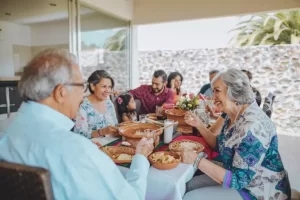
[149,100]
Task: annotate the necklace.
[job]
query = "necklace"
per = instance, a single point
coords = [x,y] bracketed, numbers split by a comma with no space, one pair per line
[239,109]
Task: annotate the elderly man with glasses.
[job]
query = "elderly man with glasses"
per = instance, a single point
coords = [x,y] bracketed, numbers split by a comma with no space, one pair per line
[52,88]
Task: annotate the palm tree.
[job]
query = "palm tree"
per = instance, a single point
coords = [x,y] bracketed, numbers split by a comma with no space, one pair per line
[268,29]
[117,42]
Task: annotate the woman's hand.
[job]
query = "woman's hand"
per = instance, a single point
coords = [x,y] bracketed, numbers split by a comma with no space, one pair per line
[173,83]
[189,156]
[110,130]
[191,119]
[212,114]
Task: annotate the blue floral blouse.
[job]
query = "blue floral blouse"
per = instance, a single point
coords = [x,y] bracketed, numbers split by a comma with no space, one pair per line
[89,119]
[249,152]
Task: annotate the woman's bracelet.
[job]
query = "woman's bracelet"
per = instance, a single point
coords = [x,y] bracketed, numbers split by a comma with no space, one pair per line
[196,163]
[100,132]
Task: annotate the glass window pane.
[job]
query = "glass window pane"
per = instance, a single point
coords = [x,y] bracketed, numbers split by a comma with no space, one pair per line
[104,45]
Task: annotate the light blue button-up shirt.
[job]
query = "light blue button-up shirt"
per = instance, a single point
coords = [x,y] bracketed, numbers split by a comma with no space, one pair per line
[40,136]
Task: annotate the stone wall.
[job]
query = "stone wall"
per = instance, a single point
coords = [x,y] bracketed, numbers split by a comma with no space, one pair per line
[275,69]
[115,63]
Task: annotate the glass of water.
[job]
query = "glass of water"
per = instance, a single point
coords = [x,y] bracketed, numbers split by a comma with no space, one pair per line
[142,118]
[168,132]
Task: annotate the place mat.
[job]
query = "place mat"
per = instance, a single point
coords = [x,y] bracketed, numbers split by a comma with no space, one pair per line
[210,153]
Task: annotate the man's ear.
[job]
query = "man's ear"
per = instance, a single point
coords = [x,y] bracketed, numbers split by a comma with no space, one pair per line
[59,93]
[165,83]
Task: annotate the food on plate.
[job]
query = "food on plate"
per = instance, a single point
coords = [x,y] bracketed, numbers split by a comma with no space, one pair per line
[144,132]
[126,143]
[119,154]
[160,157]
[186,145]
[140,132]
[122,156]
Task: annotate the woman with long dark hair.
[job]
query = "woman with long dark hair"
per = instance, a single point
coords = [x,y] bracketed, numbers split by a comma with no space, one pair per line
[174,82]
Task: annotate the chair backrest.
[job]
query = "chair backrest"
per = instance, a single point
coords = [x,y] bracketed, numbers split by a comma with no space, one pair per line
[24,182]
[268,104]
[114,100]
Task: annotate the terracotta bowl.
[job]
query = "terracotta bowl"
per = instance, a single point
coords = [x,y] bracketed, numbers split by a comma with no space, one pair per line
[130,130]
[177,114]
[151,116]
[128,133]
[165,166]
[112,151]
[126,123]
[178,146]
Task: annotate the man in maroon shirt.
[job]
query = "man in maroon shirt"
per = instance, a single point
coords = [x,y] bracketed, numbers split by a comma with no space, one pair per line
[155,94]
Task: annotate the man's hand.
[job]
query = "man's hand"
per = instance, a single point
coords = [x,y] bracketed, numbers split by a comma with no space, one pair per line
[145,147]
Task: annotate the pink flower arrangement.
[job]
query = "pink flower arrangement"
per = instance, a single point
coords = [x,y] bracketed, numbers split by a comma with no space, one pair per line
[120,100]
[191,96]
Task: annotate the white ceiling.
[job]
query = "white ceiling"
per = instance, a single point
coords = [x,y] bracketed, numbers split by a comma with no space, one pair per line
[33,11]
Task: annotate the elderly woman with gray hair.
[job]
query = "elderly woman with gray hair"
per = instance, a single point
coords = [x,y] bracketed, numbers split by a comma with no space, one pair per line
[251,164]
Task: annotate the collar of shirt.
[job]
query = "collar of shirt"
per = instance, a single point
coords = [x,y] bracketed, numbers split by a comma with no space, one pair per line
[42,111]
[166,90]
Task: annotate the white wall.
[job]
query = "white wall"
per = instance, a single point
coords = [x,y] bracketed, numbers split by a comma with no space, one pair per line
[118,8]
[56,32]
[11,34]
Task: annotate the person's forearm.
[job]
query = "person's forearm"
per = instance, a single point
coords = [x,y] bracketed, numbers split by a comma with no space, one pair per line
[209,137]
[98,133]
[212,170]
[217,126]
[137,176]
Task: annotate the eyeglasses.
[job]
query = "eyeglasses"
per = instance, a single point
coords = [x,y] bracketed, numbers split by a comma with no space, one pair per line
[84,85]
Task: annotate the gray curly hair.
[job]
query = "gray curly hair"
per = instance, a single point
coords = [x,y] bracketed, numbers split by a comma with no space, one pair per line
[239,89]
[44,72]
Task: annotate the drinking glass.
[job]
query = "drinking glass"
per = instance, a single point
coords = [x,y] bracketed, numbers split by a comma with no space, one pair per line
[201,113]
[168,132]
[142,118]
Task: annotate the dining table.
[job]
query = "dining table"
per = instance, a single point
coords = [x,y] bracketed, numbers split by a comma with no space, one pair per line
[161,184]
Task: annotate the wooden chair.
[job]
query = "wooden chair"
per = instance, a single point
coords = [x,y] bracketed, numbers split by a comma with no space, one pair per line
[24,182]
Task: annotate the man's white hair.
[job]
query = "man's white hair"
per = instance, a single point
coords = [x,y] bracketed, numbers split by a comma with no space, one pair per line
[44,72]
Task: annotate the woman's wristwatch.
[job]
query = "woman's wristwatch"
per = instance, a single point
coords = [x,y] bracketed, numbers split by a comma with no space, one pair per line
[199,157]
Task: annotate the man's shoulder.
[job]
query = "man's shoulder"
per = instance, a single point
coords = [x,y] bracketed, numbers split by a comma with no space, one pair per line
[204,88]
[141,90]
[169,91]
[141,87]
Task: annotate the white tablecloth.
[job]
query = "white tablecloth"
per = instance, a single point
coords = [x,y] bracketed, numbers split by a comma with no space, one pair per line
[167,184]
[162,184]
